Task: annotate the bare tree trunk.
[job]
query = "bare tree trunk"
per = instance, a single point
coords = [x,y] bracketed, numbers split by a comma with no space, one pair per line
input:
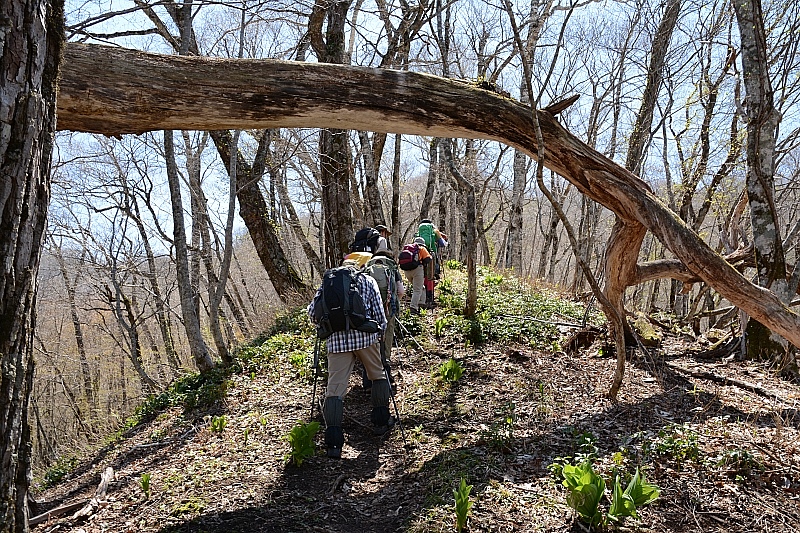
[550,244]
[471,248]
[358,211]
[217,287]
[513,250]
[334,150]
[539,13]
[335,183]
[248,312]
[191,320]
[374,214]
[264,156]
[202,243]
[587,230]
[762,123]
[128,322]
[30,52]
[254,211]
[162,316]
[218,283]
[430,187]
[398,139]
[88,386]
[74,404]
[197,204]
[640,137]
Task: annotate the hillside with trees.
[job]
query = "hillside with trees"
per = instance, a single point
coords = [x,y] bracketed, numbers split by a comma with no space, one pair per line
[176,175]
[507,401]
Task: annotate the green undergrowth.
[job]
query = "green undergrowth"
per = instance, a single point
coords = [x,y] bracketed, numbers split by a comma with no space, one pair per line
[508,309]
[290,341]
[192,391]
[57,472]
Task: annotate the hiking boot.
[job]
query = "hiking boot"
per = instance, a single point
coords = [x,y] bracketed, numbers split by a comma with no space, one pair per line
[334,440]
[413,311]
[332,411]
[383,430]
[334,452]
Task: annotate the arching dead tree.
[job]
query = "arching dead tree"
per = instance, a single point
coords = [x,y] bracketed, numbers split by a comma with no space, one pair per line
[202,93]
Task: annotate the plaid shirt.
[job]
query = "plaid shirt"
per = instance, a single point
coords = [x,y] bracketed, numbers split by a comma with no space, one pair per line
[348,341]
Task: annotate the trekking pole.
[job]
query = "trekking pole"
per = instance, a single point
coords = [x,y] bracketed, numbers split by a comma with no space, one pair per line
[391,395]
[397,412]
[397,345]
[405,330]
[315,367]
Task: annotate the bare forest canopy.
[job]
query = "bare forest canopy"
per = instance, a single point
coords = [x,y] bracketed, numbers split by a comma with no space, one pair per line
[116,91]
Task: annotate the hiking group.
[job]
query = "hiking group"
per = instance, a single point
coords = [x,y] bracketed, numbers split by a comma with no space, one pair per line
[355,310]
[420,260]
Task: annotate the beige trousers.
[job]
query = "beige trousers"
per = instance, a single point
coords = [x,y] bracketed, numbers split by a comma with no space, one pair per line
[340,366]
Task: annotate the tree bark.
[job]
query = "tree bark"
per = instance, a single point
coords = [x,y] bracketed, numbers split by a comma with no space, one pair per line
[395,240]
[468,189]
[374,213]
[31,46]
[202,93]
[762,124]
[191,319]
[334,149]
[513,248]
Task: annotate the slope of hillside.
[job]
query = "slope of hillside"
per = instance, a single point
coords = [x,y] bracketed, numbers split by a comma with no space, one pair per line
[720,439]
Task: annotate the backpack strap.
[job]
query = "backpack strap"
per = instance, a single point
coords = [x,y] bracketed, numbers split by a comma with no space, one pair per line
[346,286]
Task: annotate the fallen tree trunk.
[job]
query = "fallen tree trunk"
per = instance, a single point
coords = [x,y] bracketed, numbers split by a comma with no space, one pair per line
[115,91]
[85,508]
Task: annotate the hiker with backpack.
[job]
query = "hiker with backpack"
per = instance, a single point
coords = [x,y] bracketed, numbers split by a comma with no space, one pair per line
[413,259]
[383,240]
[365,243]
[434,241]
[383,268]
[349,314]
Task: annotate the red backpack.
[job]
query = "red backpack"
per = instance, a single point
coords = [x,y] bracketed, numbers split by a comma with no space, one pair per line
[409,257]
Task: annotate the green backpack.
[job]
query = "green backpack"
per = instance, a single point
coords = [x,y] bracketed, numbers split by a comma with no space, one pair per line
[427,232]
[383,270]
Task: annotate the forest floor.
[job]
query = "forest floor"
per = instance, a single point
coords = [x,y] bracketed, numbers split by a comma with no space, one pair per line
[720,438]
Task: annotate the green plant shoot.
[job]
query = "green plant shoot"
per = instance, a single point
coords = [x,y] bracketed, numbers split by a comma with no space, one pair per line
[640,491]
[301,440]
[586,489]
[218,423]
[451,371]
[463,505]
[144,483]
[439,325]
